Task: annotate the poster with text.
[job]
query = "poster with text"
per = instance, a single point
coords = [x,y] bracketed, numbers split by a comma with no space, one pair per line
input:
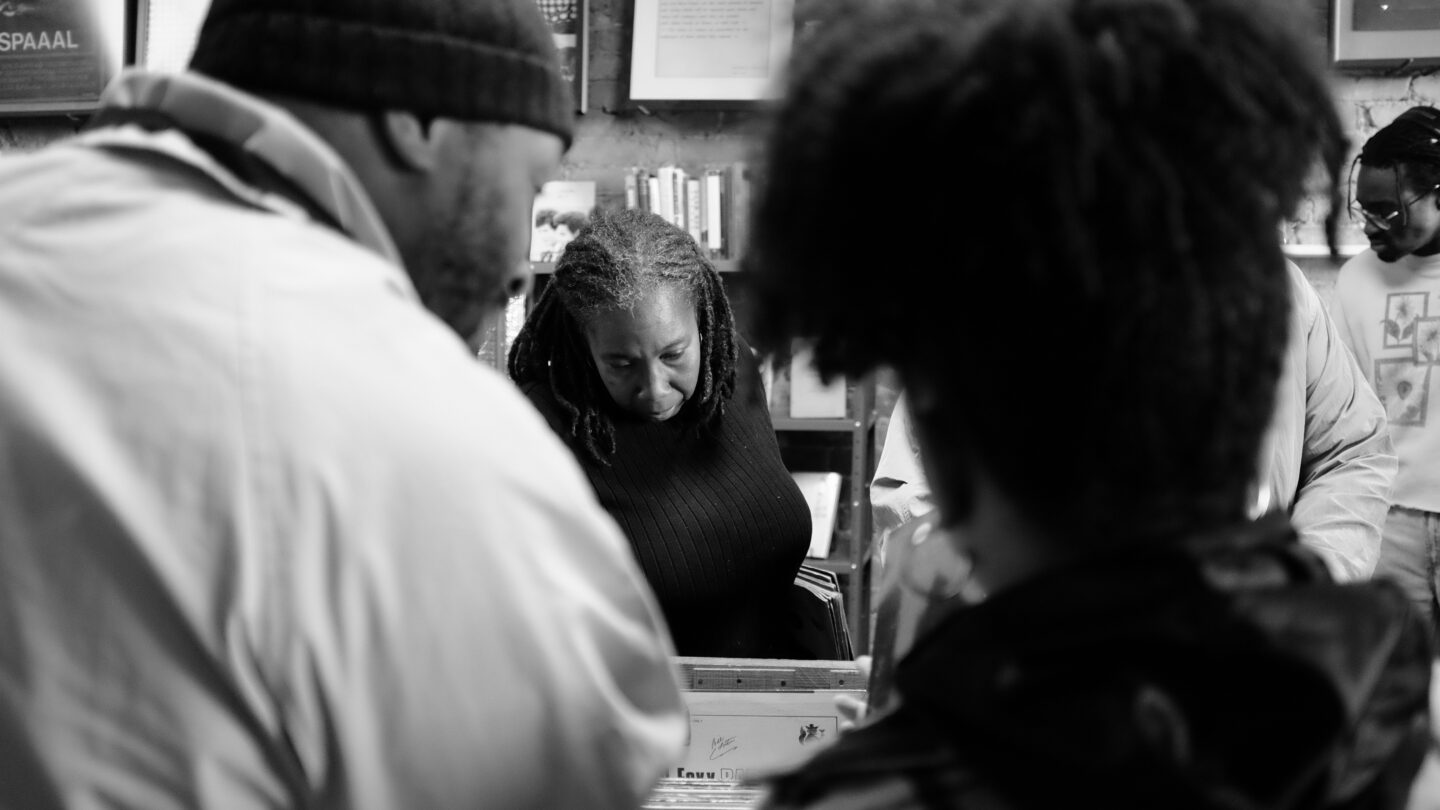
[58,55]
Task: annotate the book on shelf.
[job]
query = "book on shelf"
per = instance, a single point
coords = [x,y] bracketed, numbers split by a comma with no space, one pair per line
[677,197]
[632,189]
[737,207]
[652,193]
[714,222]
[697,201]
[694,207]
[561,209]
[666,177]
[822,494]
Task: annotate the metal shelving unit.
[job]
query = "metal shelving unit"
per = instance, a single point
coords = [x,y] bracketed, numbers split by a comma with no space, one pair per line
[850,551]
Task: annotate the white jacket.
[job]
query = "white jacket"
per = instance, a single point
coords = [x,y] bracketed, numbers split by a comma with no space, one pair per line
[1328,457]
[270,536]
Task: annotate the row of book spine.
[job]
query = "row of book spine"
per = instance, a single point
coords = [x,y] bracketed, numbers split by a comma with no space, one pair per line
[701,202]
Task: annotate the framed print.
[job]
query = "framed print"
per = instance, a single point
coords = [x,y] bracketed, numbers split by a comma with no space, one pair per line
[1385,33]
[57,56]
[708,50]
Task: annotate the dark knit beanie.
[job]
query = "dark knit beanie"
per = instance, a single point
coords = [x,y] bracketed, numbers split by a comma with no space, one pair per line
[469,60]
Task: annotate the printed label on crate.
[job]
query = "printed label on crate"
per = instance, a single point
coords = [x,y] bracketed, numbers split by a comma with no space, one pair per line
[739,735]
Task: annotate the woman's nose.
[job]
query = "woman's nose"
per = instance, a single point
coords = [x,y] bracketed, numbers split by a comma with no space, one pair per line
[654,383]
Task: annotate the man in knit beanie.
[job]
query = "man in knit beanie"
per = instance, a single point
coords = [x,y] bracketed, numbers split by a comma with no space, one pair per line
[462,115]
[270,536]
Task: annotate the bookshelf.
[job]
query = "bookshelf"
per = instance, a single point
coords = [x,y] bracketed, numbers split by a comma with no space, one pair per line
[847,446]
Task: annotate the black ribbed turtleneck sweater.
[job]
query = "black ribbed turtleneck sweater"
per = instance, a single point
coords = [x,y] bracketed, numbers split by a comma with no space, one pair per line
[715,520]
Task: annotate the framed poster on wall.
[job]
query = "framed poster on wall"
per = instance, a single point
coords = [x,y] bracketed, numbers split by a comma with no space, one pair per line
[707,50]
[57,56]
[1395,34]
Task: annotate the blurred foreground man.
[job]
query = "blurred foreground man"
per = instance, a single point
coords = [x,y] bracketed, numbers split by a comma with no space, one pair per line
[270,537]
[1089,406]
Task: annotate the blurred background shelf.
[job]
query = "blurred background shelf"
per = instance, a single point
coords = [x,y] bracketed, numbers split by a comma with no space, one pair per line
[846,446]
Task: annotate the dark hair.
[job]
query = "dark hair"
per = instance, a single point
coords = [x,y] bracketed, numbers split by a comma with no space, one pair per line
[544,216]
[1411,145]
[1104,317]
[621,257]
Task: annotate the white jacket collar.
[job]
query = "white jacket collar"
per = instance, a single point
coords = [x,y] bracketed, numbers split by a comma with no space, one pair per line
[200,105]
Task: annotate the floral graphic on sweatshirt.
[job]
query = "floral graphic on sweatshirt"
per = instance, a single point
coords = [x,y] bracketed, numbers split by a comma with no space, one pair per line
[1427,341]
[1404,389]
[1401,312]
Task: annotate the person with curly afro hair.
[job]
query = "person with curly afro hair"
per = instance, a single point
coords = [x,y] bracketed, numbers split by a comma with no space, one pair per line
[1090,360]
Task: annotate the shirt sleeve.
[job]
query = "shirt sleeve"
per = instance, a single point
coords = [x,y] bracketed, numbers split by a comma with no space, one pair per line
[1348,462]
[898,490]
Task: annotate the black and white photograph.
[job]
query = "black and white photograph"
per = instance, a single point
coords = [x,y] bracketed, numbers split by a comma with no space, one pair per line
[719,404]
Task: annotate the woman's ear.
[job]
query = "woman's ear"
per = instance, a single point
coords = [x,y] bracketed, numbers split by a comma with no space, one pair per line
[409,140]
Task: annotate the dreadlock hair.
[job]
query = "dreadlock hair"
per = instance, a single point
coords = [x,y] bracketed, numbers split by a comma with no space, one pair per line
[1411,145]
[1107,176]
[619,259]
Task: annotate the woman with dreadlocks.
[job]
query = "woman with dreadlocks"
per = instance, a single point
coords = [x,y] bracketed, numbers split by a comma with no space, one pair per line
[1090,411]
[631,354]
[1387,304]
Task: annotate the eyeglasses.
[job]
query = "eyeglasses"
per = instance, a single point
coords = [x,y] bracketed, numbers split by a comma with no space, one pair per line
[1386,222]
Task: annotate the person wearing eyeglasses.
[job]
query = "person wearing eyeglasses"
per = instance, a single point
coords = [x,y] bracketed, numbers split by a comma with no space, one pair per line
[1387,305]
